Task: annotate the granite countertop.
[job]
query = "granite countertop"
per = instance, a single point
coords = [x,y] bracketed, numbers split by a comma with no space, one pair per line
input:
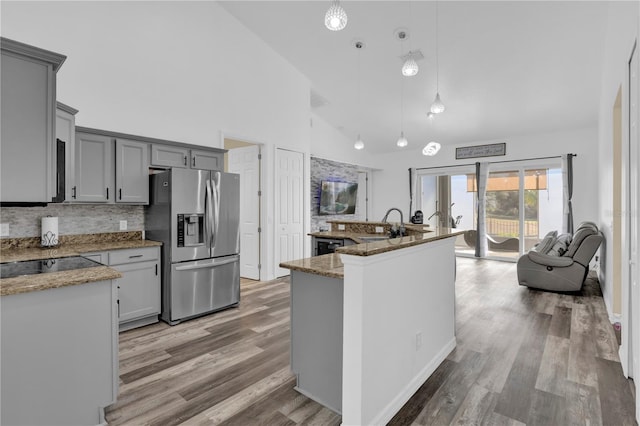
[21,249]
[327,265]
[330,265]
[29,283]
[383,246]
[356,236]
[71,249]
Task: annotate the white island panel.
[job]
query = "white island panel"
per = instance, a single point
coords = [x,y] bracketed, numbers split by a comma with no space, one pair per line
[399,325]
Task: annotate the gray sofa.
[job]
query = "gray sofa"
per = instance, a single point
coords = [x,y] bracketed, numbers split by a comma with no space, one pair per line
[546,269]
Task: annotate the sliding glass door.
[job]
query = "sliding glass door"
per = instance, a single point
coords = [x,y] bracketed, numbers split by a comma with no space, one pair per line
[446,201]
[523,202]
[522,205]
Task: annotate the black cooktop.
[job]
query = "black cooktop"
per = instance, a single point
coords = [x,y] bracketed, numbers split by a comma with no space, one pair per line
[30,267]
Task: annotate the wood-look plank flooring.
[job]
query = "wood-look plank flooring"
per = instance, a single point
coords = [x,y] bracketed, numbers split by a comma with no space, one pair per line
[522,357]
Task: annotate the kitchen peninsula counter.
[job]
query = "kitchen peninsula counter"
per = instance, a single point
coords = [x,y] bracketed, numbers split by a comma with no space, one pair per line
[330,265]
[371,322]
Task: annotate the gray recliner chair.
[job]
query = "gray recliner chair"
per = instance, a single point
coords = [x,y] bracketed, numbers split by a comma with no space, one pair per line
[565,272]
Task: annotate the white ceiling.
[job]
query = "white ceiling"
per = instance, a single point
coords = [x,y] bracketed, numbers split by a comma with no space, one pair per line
[506,68]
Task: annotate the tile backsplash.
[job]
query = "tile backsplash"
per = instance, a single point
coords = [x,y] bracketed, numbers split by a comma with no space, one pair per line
[73,218]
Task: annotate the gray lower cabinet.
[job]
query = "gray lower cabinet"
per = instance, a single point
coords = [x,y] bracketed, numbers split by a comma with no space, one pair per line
[139,286]
[28,114]
[316,337]
[132,172]
[93,169]
[59,350]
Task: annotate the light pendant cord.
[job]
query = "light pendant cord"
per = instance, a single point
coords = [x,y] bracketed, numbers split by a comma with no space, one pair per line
[437,55]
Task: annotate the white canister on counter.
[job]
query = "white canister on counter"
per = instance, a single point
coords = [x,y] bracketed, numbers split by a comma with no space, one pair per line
[49,235]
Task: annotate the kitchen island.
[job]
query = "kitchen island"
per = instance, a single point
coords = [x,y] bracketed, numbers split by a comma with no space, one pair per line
[370,323]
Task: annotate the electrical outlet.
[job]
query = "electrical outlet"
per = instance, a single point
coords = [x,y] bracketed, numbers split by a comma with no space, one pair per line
[123,225]
[341,227]
[4,229]
[418,340]
[379,229]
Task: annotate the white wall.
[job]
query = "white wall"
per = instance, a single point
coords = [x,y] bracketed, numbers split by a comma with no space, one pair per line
[329,143]
[622,32]
[392,184]
[185,71]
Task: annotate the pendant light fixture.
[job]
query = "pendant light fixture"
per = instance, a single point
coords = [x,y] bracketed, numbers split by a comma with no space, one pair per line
[335,18]
[410,60]
[359,144]
[431,149]
[437,106]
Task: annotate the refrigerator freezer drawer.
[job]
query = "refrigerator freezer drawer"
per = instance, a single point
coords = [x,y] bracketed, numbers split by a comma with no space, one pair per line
[204,286]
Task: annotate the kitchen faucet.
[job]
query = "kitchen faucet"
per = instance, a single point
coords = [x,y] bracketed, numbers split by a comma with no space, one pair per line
[394,232]
[436,213]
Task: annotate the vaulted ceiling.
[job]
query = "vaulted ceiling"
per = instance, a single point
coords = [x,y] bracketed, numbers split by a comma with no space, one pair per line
[505,68]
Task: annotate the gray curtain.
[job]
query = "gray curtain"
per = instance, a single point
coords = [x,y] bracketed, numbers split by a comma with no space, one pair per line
[482,173]
[567,184]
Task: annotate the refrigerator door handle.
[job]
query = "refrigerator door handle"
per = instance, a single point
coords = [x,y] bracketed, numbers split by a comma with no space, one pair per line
[208,213]
[207,265]
[216,206]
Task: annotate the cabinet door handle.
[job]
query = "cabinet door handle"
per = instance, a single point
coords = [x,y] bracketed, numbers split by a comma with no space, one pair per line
[134,256]
[107,193]
[193,162]
[120,193]
[156,269]
[185,160]
[73,192]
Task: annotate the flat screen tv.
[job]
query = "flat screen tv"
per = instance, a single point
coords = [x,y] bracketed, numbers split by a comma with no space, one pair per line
[338,198]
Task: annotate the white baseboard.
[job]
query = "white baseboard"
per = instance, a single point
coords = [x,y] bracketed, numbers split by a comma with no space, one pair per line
[405,394]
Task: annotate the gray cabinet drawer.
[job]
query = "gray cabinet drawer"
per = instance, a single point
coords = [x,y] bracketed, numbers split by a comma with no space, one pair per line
[119,257]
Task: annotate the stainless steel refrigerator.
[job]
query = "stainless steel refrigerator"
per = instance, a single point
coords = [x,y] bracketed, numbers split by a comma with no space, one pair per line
[196,215]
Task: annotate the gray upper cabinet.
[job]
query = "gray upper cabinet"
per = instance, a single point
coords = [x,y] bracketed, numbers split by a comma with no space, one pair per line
[132,172]
[169,156]
[28,106]
[176,156]
[207,160]
[94,169]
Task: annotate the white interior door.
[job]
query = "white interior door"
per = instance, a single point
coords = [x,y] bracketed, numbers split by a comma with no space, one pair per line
[246,162]
[289,208]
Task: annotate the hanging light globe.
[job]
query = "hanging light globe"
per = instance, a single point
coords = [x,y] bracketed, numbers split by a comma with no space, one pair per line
[359,144]
[410,67]
[336,17]
[431,149]
[437,106]
[402,141]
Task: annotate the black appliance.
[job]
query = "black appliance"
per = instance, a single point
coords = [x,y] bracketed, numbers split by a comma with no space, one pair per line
[43,266]
[327,245]
[418,217]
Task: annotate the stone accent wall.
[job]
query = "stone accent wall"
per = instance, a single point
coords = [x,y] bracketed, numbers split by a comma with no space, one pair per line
[73,218]
[322,169]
